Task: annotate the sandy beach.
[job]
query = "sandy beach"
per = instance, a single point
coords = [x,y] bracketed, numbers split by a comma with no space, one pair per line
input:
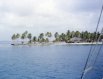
[58,43]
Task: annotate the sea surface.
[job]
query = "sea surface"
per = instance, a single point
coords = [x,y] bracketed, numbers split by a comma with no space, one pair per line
[49,62]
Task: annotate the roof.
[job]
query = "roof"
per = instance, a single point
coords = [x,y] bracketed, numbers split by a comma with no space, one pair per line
[75,39]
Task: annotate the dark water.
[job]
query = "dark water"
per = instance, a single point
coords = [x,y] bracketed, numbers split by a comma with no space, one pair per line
[47,62]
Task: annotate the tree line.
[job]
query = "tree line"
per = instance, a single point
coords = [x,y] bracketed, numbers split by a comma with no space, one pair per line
[63,37]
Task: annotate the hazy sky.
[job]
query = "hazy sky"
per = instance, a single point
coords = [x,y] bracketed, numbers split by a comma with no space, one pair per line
[47,15]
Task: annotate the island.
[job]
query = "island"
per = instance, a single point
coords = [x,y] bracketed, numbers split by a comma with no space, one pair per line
[48,38]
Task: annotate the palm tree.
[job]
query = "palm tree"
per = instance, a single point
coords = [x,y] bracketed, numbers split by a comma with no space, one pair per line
[48,34]
[63,37]
[68,32]
[34,39]
[77,34]
[82,35]
[56,35]
[13,37]
[72,34]
[24,36]
[17,36]
[89,34]
[46,40]
[41,37]
[66,39]
[29,37]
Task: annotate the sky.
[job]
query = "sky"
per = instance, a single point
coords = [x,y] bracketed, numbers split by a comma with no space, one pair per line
[37,16]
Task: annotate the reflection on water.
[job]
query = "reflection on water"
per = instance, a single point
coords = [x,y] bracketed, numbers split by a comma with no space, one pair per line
[46,62]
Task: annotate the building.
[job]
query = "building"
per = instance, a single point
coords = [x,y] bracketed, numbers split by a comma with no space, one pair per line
[75,40]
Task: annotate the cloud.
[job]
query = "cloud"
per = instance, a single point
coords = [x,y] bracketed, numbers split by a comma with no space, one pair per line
[80,5]
[47,15]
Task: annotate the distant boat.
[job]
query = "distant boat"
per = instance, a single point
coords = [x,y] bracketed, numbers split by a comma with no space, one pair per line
[12,44]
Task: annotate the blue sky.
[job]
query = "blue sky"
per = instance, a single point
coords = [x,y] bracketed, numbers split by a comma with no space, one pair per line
[38,16]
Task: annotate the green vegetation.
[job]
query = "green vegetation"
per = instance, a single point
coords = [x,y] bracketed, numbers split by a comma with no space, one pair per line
[30,37]
[63,37]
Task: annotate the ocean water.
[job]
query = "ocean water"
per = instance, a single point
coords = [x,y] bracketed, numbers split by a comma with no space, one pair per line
[48,62]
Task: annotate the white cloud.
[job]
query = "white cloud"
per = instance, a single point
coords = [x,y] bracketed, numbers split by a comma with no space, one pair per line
[47,15]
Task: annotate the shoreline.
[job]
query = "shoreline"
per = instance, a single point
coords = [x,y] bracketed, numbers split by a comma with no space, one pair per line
[85,43]
[58,43]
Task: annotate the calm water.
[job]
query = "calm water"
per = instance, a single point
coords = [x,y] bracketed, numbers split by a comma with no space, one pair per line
[47,62]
